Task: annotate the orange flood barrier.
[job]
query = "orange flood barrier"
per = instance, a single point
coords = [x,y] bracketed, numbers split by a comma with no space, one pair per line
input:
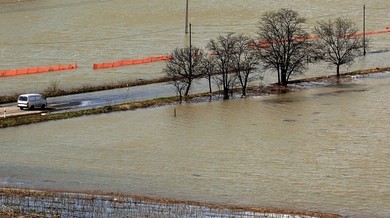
[130,62]
[33,70]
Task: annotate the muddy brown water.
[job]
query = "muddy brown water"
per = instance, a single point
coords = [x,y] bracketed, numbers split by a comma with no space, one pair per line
[321,149]
[45,33]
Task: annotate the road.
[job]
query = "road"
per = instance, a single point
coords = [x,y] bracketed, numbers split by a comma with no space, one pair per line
[95,99]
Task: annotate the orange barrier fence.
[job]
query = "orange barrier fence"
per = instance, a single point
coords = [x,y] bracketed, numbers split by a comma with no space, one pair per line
[32,70]
[387,30]
[130,62]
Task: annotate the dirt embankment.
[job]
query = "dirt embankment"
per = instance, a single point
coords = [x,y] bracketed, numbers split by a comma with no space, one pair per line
[59,203]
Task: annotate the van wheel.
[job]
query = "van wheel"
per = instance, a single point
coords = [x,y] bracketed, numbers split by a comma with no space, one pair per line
[43,106]
[32,107]
[21,108]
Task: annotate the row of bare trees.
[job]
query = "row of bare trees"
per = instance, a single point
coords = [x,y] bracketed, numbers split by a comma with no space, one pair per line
[282,46]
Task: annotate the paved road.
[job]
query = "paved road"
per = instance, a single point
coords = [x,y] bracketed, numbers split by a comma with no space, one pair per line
[96,99]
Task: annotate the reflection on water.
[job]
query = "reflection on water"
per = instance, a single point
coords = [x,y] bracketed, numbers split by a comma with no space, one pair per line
[321,149]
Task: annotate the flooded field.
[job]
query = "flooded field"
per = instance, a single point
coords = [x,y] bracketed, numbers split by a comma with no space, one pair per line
[45,33]
[320,149]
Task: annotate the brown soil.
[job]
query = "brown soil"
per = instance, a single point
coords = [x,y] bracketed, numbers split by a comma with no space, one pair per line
[48,193]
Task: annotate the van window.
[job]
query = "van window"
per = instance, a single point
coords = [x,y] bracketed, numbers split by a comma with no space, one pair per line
[23,98]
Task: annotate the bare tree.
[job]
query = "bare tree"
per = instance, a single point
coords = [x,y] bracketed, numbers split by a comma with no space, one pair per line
[287,47]
[183,68]
[338,42]
[223,49]
[208,69]
[246,61]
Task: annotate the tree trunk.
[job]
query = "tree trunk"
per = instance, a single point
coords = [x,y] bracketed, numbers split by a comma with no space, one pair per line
[211,91]
[187,89]
[283,78]
[338,70]
[244,91]
[180,98]
[225,93]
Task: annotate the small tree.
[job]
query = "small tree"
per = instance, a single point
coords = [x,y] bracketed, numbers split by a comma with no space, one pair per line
[179,84]
[183,68]
[208,69]
[287,47]
[246,61]
[223,49]
[338,42]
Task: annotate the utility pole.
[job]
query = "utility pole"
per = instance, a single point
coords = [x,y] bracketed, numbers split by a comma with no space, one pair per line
[364,30]
[190,52]
[190,36]
[186,25]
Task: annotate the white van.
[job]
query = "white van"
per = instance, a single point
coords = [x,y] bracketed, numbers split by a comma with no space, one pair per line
[31,101]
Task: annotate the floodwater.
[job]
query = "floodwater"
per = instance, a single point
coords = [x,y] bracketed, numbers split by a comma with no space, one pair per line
[50,32]
[321,149]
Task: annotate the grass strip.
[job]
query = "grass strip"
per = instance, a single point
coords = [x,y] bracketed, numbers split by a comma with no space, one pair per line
[36,118]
